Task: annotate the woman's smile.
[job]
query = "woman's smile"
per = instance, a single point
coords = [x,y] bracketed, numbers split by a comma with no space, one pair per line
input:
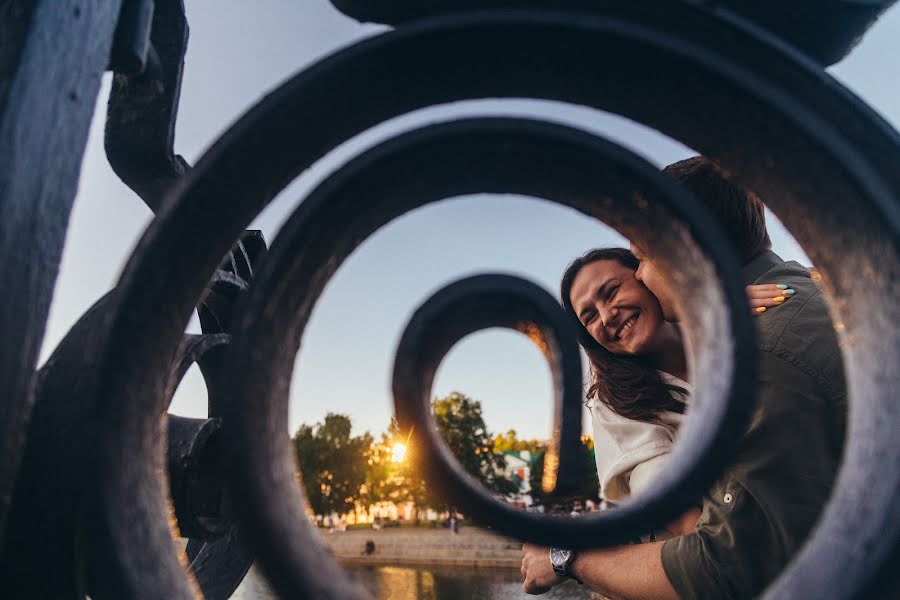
[626,327]
[615,308]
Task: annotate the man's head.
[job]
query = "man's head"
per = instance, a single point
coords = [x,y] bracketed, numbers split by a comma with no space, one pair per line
[739,211]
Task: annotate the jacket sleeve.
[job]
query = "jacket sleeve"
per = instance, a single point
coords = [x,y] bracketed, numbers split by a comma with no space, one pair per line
[629,454]
[761,511]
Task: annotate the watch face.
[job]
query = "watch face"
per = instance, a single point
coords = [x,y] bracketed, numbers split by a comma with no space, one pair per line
[559,557]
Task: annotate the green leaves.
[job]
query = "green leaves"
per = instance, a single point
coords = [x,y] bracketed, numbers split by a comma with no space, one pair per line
[461,424]
[341,472]
[333,464]
[590,489]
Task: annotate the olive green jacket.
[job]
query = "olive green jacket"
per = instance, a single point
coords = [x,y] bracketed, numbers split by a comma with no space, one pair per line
[761,510]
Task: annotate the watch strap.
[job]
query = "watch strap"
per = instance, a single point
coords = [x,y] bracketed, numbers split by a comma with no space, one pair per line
[562,568]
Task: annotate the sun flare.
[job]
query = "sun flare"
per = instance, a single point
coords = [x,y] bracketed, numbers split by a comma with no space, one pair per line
[398,452]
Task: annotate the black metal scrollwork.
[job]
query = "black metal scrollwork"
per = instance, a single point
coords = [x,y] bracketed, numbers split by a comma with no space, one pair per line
[516,156]
[713,76]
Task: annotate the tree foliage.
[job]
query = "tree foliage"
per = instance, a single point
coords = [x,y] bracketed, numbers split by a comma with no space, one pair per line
[589,490]
[461,425]
[510,442]
[390,481]
[332,464]
[340,471]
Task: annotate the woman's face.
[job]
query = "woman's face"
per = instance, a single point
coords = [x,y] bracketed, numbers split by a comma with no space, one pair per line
[616,309]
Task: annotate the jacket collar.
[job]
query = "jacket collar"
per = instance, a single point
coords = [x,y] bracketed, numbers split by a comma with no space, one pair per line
[754,269]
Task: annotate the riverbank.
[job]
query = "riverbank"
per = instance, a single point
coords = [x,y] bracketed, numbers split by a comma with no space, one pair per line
[471,547]
[388,582]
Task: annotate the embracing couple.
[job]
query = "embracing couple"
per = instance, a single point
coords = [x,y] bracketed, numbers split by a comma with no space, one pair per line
[745,529]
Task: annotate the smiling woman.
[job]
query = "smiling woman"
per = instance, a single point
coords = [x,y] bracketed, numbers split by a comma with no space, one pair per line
[637,393]
[639,378]
[618,311]
[621,329]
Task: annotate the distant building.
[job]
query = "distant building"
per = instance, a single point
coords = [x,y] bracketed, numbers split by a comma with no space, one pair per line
[518,470]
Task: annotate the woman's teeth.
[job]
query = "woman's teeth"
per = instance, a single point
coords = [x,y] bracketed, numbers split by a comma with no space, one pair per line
[626,327]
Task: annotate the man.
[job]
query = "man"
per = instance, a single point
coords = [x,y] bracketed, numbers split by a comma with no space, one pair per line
[758,514]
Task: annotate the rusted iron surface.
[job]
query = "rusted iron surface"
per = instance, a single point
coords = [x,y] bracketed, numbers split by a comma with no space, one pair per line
[521,157]
[826,31]
[463,308]
[90,511]
[140,116]
[131,47]
[54,52]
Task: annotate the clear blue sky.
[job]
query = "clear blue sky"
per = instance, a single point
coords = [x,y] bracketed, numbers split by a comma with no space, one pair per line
[238,52]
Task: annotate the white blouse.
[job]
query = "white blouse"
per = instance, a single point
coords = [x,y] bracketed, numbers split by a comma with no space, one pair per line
[629,453]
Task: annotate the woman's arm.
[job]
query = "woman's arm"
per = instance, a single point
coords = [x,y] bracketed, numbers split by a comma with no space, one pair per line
[629,454]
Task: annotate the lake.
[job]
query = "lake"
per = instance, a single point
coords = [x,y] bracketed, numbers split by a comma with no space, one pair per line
[428,583]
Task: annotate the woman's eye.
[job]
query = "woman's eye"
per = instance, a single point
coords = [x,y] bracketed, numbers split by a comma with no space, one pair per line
[612,292]
[590,318]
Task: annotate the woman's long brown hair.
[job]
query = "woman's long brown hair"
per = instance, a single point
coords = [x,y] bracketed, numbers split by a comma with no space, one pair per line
[627,384]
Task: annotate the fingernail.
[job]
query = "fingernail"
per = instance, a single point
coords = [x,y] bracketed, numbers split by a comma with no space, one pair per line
[778,299]
[760,309]
[789,292]
[781,286]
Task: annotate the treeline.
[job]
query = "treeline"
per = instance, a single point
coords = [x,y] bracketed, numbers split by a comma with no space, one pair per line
[341,472]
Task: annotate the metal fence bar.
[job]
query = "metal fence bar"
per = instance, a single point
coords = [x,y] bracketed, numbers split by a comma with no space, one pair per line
[49,78]
[714,77]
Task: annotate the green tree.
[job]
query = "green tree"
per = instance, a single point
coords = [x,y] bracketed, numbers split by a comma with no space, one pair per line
[461,425]
[460,422]
[510,442]
[589,490]
[333,464]
[394,478]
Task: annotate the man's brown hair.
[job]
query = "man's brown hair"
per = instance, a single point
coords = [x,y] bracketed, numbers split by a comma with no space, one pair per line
[740,212]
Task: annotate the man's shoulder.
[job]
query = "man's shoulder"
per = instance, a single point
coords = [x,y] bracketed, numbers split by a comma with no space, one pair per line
[805,314]
[801,331]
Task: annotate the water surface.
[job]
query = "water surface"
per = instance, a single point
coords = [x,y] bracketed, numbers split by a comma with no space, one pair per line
[429,583]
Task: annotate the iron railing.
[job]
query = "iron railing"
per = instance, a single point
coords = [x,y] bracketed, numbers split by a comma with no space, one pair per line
[83,506]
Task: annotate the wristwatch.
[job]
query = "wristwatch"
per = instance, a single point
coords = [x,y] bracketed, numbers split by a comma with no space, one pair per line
[561,560]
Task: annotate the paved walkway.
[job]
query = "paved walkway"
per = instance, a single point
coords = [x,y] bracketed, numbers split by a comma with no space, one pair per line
[413,546]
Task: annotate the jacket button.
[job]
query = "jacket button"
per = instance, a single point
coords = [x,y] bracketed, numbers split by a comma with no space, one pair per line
[727,498]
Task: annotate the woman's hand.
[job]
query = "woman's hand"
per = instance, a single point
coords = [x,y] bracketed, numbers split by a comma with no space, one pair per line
[767,295]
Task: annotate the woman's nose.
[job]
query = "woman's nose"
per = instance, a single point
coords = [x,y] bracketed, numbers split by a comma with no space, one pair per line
[607,313]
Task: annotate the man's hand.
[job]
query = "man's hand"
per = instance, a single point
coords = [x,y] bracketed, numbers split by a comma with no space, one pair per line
[537,570]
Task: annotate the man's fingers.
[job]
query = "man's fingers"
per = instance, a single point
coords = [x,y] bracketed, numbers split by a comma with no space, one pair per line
[529,587]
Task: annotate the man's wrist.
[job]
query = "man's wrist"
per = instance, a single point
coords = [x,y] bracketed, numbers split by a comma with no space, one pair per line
[571,568]
[561,560]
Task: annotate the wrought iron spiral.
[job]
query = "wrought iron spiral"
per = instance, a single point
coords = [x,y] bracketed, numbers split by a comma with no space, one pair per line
[714,78]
